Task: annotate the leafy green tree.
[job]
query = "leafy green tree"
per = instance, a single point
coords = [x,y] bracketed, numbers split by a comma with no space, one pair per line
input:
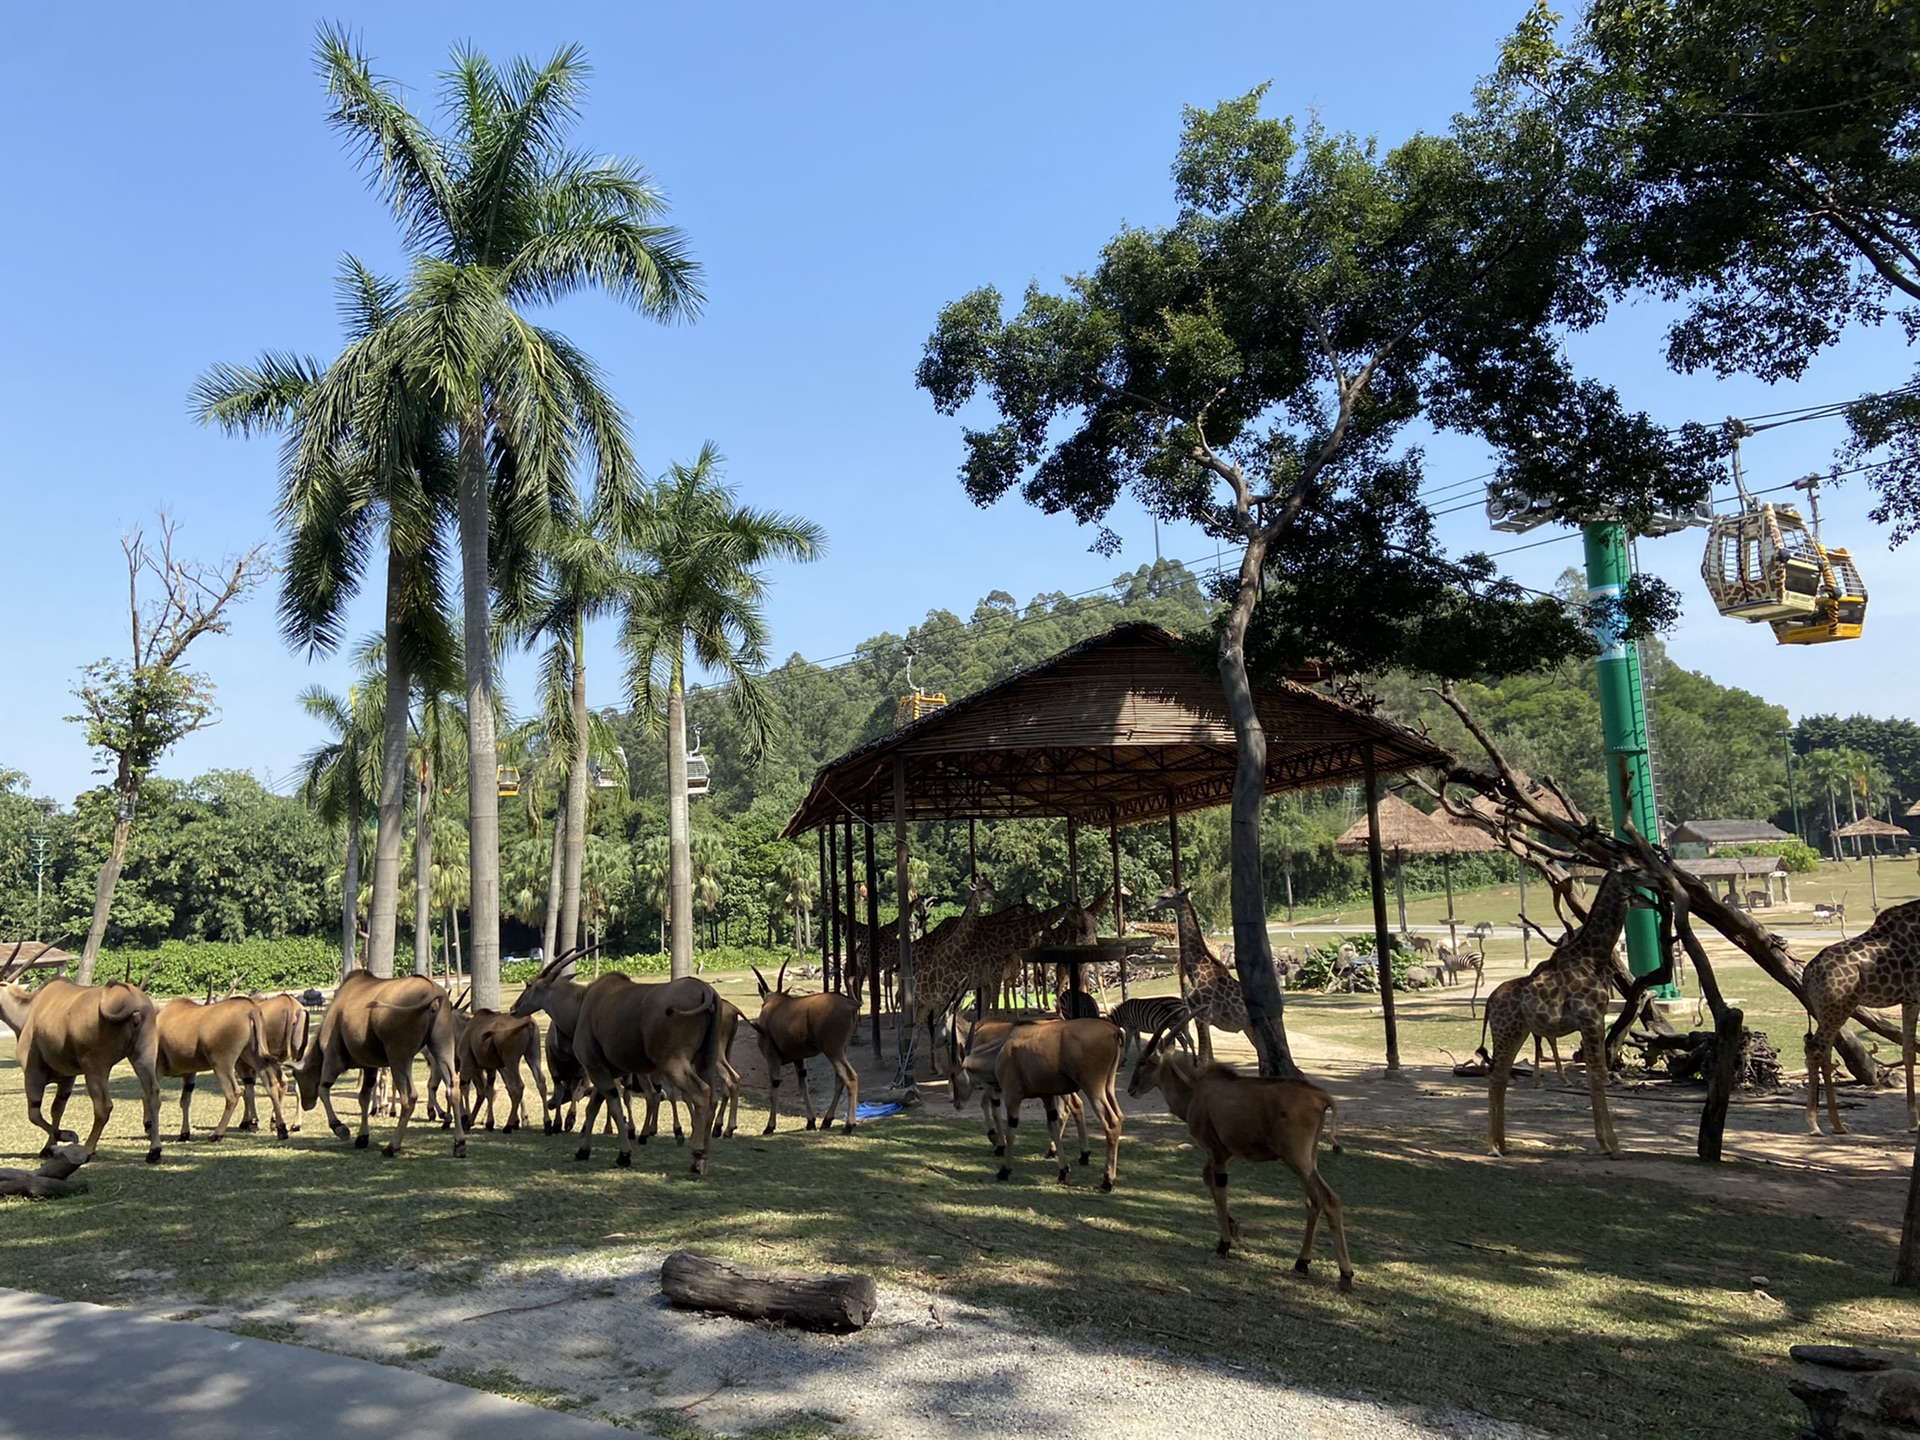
[340,779]
[1252,367]
[696,592]
[137,709]
[366,454]
[500,214]
[1754,158]
[1894,742]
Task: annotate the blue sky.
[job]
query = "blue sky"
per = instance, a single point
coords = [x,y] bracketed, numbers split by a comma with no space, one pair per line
[175,199]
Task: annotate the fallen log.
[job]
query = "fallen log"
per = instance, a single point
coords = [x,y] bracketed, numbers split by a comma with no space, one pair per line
[50,1180]
[752,1292]
[1857,1394]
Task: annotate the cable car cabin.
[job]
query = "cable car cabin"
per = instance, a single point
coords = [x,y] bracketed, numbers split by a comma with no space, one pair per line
[699,775]
[600,778]
[1765,564]
[1842,610]
[916,706]
[506,781]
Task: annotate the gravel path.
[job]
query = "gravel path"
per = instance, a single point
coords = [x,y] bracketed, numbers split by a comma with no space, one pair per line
[594,1325]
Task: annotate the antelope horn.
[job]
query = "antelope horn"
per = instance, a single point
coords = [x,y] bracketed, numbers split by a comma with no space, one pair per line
[758,976]
[780,982]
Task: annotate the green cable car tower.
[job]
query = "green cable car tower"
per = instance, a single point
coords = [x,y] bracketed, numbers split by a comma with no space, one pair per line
[1623,705]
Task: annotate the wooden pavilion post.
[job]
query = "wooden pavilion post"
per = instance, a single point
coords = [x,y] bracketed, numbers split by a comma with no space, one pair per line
[1400,885]
[1073,859]
[1526,933]
[973,857]
[1173,837]
[1383,942]
[873,935]
[903,1036]
[1453,934]
[1119,901]
[829,931]
[851,962]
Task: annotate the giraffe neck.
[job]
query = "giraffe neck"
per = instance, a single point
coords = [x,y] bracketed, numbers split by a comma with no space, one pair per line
[1605,920]
[1196,956]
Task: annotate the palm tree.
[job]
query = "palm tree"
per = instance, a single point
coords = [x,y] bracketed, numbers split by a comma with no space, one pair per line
[499,214]
[365,450]
[1832,771]
[338,779]
[438,758]
[697,588]
[581,580]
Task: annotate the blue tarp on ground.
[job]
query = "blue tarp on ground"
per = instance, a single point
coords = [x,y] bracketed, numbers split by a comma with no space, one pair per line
[868,1110]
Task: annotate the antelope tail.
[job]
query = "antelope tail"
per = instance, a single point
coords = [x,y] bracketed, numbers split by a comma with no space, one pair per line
[119,1004]
[1330,1129]
[707,1058]
[297,1039]
[256,1040]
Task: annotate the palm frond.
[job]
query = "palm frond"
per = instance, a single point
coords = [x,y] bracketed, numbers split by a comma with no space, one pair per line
[409,164]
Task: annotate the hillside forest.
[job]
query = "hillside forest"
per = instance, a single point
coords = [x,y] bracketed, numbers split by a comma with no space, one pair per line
[219,857]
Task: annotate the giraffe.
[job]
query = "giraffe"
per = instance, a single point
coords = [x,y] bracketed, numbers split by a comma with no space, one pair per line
[944,962]
[1211,990]
[1566,992]
[1878,967]
[887,952]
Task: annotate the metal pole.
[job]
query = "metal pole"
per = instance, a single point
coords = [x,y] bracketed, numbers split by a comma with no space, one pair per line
[873,935]
[1793,797]
[1623,722]
[1382,941]
[904,1036]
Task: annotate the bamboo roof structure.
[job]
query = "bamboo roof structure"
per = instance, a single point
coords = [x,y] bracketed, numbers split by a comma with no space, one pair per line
[1868,828]
[1126,727]
[1405,829]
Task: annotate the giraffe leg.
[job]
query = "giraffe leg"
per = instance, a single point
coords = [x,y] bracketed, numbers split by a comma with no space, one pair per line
[1820,1063]
[1508,1033]
[1593,1037]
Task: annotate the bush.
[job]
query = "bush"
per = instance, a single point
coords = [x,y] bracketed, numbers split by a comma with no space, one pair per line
[1320,965]
[1802,859]
[191,967]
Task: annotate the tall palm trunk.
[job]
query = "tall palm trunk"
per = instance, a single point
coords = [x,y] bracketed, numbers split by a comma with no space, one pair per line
[126,788]
[383,914]
[1252,950]
[679,840]
[576,796]
[483,799]
[423,869]
[550,917]
[350,894]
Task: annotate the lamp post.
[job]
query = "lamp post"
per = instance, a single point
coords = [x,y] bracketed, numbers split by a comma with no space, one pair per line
[1793,798]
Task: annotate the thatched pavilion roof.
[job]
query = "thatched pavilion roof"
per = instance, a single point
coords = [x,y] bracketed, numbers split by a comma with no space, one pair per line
[1122,728]
[1868,828]
[1413,832]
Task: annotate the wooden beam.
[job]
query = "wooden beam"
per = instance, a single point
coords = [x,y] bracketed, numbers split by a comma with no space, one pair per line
[873,933]
[1073,859]
[1173,836]
[1119,901]
[830,902]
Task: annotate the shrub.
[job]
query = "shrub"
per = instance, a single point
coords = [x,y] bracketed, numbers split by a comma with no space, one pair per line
[1802,859]
[191,967]
[1320,965]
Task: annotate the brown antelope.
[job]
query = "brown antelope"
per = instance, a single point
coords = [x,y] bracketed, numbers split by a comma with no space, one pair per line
[222,1036]
[560,997]
[975,1053]
[284,1023]
[672,1031]
[68,1030]
[1055,1059]
[489,1047]
[376,1025]
[1238,1116]
[795,1028]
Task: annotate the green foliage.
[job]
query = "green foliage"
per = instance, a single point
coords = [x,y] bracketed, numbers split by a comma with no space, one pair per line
[1756,158]
[1801,859]
[1320,965]
[187,967]
[134,714]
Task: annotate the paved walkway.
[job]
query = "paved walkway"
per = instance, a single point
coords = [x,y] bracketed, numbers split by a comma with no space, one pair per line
[84,1372]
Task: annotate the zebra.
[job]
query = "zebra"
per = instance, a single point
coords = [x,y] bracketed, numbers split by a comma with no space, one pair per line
[1150,1014]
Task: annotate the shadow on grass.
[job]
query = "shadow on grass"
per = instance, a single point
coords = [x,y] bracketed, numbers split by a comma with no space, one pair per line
[1582,1302]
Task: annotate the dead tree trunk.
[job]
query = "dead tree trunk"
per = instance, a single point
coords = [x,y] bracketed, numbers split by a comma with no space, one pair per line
[812,1302]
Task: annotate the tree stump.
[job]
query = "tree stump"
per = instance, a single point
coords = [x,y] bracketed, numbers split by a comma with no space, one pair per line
[1858,1394]
[812,1302]
[50,1180]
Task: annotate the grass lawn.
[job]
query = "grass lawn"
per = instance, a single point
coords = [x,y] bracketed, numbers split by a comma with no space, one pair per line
[1537,1289]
